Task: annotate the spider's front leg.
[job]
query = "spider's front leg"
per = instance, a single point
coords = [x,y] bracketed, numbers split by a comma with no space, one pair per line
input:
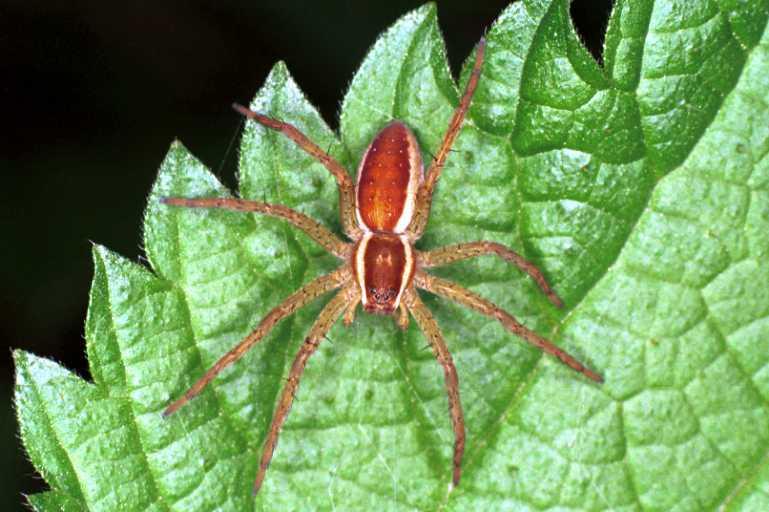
[458,252]
[425,193]
[429,326]
[469,299]
[343,180]
[298,299]
[330,313]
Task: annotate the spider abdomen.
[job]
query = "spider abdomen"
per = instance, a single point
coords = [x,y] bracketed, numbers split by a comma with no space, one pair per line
[384,266]
[388,176]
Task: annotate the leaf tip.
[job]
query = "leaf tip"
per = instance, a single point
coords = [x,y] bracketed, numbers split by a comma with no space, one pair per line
[19,356]
[180,173]
[280,68]
[278,78]
[427,8]
[98,251]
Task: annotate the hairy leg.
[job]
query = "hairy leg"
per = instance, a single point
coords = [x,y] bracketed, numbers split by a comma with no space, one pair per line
[474,301]
[314,230]
[343,180]
[325,320]
[429,326]
[452,253]
[425,193]
[298,299]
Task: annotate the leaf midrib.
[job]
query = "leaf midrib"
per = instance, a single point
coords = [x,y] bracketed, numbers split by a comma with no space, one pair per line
[156,496]
[49,424]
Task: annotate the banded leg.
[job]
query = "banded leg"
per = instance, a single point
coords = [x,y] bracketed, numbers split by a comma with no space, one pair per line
[314,230]
[425,193]
[303,296]
[343,180]
[474,301]
[452,253]
[325,320]
[429,326]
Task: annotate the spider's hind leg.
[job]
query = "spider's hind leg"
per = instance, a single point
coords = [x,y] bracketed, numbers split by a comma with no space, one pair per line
[343,180]
[310,226]
[425,193]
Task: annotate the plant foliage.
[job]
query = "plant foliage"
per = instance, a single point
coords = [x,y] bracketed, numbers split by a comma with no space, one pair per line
[641,187]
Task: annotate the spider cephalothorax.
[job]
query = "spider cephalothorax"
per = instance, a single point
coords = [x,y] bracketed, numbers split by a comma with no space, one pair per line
[383,214]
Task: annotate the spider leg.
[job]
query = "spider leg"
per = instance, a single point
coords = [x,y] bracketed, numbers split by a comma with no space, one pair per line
[425,193]
[314,229]
[298,299]
[343,180]
[323,323]
[471,300]
[452,253]
[429,326]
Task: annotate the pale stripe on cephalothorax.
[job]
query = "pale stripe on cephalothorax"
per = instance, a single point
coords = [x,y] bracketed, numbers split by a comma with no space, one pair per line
[408,268]
[360,266]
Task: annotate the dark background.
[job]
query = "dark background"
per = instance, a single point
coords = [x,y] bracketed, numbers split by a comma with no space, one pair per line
[92,94]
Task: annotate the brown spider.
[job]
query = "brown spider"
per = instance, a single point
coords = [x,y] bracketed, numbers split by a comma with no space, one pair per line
[384,214]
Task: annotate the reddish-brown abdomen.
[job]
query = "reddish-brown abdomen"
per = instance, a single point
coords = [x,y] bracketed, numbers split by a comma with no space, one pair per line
[383,266]
[388,177]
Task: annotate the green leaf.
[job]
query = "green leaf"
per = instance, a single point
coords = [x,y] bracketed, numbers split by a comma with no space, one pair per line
[640,187]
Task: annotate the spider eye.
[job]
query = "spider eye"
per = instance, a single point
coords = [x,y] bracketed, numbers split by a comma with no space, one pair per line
[382,295]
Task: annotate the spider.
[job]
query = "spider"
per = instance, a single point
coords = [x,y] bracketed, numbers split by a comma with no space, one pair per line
[384,214]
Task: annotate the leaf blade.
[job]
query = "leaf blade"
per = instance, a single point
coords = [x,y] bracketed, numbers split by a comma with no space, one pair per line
[666,226]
